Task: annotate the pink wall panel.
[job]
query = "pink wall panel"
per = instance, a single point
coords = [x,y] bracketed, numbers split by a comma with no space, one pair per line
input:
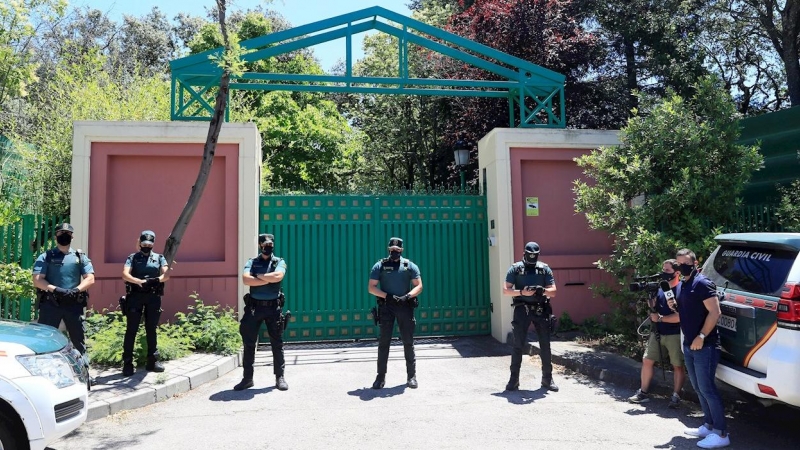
[137,186]
[568,245]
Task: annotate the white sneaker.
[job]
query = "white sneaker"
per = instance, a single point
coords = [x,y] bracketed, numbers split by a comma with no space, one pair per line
[714,440]
[698,432]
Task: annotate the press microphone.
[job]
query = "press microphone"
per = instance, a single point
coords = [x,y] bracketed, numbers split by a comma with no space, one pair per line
[668,294]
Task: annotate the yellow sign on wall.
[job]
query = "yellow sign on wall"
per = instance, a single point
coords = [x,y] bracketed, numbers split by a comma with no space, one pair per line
[531,206]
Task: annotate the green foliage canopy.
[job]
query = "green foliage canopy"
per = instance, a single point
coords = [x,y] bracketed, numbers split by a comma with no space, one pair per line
[80,91]
[677,172]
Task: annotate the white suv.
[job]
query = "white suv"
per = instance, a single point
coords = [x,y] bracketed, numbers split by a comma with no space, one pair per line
[758,279]
[43,386]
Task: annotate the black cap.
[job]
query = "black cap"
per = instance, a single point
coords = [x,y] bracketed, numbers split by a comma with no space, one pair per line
[65,227]
[265,237]
[532,247]
[147,237]
[396,242]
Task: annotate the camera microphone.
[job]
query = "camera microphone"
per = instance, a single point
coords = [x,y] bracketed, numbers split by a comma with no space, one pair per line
[668,294]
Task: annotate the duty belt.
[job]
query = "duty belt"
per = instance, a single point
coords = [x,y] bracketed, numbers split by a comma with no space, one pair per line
[267,303]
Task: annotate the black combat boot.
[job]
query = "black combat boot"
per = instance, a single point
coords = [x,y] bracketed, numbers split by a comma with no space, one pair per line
[380,381]
[513,383]
[549,384]
[244,384]
[154,365]
[281,384]
[127,368]
[412,382]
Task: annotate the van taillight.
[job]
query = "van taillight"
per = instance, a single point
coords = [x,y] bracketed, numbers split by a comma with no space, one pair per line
[789,306]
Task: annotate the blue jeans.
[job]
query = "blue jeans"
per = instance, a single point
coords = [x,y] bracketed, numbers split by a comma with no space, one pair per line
[702,365]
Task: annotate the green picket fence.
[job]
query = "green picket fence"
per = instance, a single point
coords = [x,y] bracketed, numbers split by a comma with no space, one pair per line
[20,243]
[752,218]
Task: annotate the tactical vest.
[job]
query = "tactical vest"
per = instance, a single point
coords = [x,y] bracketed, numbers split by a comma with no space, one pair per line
[137,257]
[50,254]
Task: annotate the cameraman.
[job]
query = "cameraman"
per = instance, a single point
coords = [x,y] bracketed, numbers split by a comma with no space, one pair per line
[531,283]
[665,339]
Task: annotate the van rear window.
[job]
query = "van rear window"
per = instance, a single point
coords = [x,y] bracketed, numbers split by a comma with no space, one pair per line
[751,269]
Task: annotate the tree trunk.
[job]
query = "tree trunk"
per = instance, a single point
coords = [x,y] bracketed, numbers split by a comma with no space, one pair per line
[630,72]
[791,49]
[174,239]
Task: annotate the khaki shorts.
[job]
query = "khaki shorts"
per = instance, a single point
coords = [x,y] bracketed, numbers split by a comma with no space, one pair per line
[670,346]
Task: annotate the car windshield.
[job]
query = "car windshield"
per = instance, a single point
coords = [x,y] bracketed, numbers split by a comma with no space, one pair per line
[751,269]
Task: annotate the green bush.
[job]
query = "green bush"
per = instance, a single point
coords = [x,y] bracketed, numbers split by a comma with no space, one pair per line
[205,328]
[15,282]
[788,212]
[211,328]
[592,328]
[565,322]
[105,334]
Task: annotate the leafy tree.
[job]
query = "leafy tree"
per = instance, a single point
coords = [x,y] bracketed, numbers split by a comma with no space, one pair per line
[306,142]
[404,145]
[677,173]
[743,57]
[788,212]
[20,21]
[148,43]
[779,21]
[547,33]
[652,46]
[81,91]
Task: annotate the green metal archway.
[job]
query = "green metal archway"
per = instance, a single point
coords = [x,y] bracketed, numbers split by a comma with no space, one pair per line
[535,94]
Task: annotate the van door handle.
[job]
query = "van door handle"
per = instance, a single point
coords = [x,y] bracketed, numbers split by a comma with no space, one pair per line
[575,283]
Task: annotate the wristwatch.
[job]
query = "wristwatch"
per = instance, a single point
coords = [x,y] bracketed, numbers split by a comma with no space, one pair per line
[660,317]
[701,335]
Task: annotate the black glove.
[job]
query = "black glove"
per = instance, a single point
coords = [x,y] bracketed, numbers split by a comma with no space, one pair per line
[74,292]
[538,291]
[403,298]
[61,291]
[390,297]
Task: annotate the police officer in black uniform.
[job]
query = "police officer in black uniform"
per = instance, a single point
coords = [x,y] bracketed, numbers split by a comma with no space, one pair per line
[264,303]
[400,284]
[62,276]
[144,274]
[532,285]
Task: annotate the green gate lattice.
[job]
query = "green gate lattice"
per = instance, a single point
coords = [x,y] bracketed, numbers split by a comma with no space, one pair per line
[330,243]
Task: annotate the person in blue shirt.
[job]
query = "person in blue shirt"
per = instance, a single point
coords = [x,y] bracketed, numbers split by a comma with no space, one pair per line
[699,309]
[396,283]
[531,283]
[263,274]
[667,336]
[144,274]
[62,277]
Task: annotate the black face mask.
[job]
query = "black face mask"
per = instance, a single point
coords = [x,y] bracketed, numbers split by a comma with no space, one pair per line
[667,276]
[686,269]
[394,255]
[64,239]
[267,250]
[530,258]
[146,250]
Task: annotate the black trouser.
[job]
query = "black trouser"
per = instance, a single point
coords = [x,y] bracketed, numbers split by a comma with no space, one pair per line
[72,315]
[249,326]
[520,324]
[406,322]
[139,304]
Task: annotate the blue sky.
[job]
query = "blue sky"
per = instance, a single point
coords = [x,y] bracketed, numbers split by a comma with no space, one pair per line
[298,12]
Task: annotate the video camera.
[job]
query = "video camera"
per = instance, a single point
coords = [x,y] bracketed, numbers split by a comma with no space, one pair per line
[649,284]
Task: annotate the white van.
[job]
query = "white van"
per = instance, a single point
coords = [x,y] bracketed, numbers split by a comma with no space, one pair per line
[43,386]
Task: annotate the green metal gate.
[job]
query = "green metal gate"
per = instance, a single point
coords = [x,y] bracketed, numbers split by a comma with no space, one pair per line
[330,243]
